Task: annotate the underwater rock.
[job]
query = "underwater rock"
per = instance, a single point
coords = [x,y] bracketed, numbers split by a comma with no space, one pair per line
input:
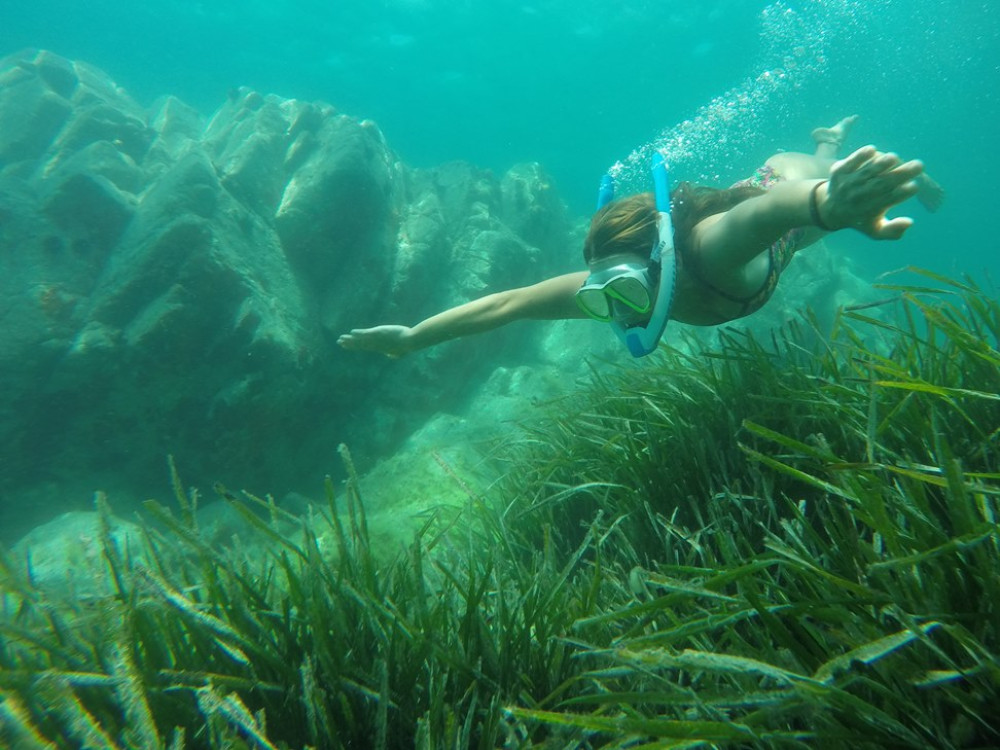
[248,140]
[31,113]
[58,73]
[531,207]
[334,210]
[94,122]
[423,230]
[88,205]
[177,128]
[66,555]
[171,283]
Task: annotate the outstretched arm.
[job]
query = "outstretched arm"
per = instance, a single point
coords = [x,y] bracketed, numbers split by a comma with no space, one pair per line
[551,299]
[859,192]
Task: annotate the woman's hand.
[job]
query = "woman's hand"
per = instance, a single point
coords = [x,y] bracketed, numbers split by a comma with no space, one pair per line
[863,187]
[388,340]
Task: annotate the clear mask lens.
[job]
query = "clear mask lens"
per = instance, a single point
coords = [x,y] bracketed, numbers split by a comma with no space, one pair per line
[624,297]
[595,303]
[632,292]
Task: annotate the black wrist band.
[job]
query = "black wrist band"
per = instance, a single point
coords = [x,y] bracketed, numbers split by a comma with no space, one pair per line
[814,207]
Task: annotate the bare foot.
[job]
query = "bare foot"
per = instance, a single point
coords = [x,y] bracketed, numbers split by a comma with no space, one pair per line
[835,135]
[929,192]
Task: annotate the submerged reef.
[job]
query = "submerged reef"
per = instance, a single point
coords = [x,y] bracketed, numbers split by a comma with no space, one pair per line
[171,283]
[747,544]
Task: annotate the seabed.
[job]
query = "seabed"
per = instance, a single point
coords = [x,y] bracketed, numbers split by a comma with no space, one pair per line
[791,543]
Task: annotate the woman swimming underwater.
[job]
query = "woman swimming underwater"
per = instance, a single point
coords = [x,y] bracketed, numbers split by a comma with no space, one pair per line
[700,256]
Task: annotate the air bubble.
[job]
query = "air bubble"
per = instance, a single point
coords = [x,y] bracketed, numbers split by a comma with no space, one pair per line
[793,52]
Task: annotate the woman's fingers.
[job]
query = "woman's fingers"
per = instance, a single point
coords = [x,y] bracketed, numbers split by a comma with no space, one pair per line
[903,191]
[387,340]
[891,229]
[358,339]
[854,161]
[868,163]
[909,171]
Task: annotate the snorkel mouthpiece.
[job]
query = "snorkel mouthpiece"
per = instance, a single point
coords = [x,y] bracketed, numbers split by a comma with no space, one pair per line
[643,339]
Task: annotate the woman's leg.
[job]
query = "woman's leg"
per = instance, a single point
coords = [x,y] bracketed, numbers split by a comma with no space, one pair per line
[796,166]
[929,192]
[829,140]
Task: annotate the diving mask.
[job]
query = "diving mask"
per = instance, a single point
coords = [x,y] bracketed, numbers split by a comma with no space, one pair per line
[622,292]
[635,298]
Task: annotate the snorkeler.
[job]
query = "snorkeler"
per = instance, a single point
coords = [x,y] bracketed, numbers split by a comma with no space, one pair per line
[696,255]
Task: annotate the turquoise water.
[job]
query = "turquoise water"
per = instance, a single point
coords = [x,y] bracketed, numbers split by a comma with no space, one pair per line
[579,85]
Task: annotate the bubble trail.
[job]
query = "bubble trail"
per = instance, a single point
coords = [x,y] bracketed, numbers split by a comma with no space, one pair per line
[794,46]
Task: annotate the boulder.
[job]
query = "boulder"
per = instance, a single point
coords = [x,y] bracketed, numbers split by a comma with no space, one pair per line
[335,208]
[64,558]
[174,284]
[532,209]
[31,113]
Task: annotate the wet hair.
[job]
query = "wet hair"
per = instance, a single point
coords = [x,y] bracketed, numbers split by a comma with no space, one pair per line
[622,226]
[629,225]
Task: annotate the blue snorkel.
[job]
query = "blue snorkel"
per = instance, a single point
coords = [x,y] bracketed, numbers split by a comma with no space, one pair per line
[606,192]
[643,339]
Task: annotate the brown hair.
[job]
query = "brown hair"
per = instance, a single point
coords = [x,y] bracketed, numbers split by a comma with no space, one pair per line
[629,225]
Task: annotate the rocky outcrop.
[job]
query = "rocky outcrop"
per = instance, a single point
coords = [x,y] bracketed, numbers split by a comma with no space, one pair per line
[175,285]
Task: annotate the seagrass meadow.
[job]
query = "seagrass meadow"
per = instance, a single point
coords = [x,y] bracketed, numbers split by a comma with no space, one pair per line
[790,543]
